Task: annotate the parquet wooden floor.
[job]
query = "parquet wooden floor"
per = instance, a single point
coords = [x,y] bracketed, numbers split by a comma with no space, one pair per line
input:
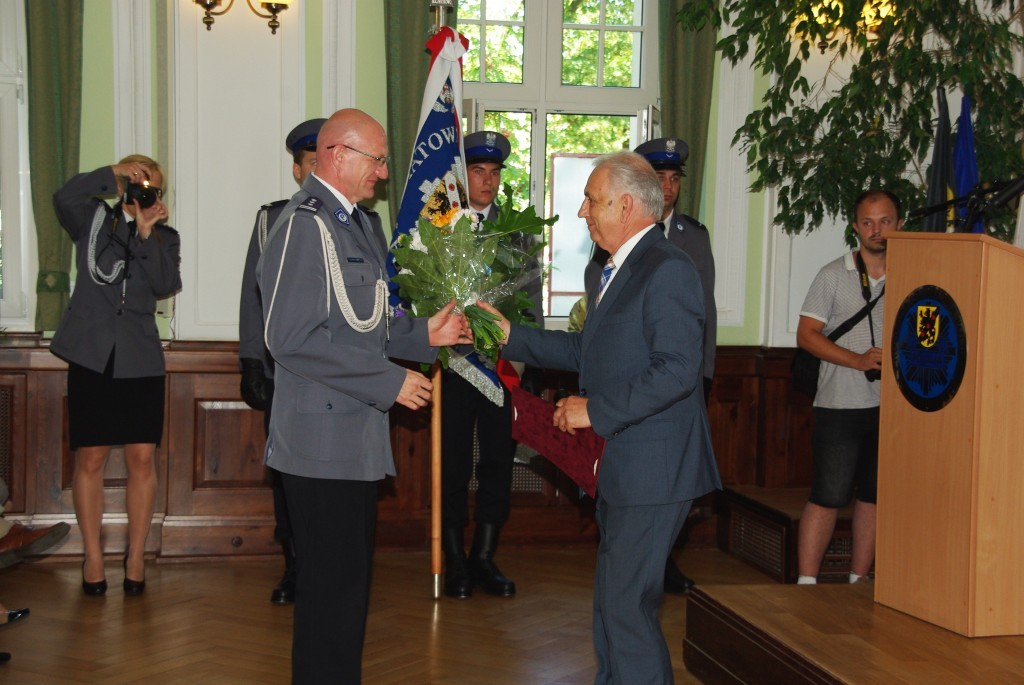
[211,622]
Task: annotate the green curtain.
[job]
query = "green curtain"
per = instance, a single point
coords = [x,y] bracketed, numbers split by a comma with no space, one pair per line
[687,71]
[54,30]
[407,25]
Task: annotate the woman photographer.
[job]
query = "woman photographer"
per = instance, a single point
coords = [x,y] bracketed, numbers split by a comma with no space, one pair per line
[126,259]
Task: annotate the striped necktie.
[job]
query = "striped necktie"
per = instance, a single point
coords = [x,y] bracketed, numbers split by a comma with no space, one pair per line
[606,275]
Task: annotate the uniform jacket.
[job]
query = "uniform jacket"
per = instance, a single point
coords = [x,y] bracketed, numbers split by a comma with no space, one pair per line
[639,366]
[333,384]
[250,313]
[95,322]
[692,236]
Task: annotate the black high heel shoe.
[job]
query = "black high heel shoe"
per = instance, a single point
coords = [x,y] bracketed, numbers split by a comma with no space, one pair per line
[12,616]
[132,588]
[96,589]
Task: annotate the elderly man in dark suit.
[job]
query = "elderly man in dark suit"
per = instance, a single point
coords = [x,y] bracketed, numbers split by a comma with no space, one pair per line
[330,332]
[639,362]
[667,156]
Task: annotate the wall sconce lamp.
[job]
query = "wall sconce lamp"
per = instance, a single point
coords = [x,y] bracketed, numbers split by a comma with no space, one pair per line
[826,14]
[210,8]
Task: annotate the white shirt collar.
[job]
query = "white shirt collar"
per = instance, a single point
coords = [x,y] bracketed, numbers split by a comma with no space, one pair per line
[341,198]
[622,254]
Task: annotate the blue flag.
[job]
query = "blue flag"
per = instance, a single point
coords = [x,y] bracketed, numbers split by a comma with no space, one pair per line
[965,167]
[438,150]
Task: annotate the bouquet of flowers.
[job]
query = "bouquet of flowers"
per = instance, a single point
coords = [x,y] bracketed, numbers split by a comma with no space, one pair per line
[449,254]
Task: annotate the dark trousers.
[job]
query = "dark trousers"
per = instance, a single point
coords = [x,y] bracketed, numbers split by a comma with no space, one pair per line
[282,524]
[463,407]
[334,525]
[629,582]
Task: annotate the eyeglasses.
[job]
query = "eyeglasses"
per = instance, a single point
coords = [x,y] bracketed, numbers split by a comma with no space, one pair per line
[381,161]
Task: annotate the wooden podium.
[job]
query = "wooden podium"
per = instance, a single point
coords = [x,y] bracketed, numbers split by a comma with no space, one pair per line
[950,527]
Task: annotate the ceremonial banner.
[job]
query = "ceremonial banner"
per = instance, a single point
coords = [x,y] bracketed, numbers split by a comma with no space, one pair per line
[438,150]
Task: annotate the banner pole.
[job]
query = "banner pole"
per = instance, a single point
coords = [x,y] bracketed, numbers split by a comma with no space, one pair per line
[435,481]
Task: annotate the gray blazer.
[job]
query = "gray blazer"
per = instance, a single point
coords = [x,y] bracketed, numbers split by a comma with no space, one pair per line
[95,320]
[333,384]
[639,366]
[692,236]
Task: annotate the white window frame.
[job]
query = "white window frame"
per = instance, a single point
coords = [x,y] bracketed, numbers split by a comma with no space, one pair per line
[20,258]
[542,92]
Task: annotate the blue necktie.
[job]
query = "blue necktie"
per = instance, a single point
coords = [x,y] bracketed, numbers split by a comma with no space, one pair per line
[606,275]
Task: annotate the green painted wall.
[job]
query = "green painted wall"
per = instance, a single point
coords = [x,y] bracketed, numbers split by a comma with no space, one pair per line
[97,146]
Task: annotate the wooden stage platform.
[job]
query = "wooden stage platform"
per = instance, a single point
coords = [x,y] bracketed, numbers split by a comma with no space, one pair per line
[777,634]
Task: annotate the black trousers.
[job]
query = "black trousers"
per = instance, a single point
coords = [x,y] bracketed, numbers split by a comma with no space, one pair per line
[282,523]
[463,407]
[334,522]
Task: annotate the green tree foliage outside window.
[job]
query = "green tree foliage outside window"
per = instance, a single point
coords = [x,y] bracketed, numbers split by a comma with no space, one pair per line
[821,143]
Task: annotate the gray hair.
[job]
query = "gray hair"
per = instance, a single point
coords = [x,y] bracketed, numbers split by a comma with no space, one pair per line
[631,174]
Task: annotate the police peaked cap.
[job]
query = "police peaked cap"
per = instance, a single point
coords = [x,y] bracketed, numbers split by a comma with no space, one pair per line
[487,146]
[665,153]
[303,136]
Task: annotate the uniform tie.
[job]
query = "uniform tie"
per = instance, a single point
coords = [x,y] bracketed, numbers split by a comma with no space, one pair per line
[606,275]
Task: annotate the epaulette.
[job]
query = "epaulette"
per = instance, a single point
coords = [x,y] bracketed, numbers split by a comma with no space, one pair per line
[690,222]
[274,204]
[310,204]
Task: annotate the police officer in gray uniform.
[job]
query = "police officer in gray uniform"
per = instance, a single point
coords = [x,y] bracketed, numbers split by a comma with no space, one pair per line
[667,156]
[257,366]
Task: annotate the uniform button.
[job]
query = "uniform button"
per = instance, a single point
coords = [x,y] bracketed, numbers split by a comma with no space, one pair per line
[329,406]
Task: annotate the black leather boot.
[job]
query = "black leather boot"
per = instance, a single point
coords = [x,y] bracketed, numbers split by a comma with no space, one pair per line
[284,591]
[485,572]
[458,582]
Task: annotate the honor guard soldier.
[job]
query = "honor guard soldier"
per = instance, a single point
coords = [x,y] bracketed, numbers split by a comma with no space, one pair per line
[465,406]
[257,367]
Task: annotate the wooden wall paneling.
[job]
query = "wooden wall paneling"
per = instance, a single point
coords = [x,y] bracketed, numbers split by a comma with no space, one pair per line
[219,500]
[213,496]
[14,442]
[733,413]
[784,435]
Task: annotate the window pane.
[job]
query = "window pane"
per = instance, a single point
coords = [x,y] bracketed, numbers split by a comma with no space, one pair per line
[572,142]
[469,9]
[581,11]
[579,57]
[622,59]
[505,10]
[504,61]
[471,60]
[623,12]
[518,128]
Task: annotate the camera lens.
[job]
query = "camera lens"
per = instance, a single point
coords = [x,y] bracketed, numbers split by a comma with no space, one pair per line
[142,194]
[873,375]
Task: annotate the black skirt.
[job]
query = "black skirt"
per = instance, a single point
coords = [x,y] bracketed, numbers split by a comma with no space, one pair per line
[103,410]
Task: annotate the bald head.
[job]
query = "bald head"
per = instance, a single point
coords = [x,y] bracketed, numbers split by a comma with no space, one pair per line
[350,153]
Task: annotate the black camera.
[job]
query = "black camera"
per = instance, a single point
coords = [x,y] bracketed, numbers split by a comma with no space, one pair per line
[141,193]
[873,375]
